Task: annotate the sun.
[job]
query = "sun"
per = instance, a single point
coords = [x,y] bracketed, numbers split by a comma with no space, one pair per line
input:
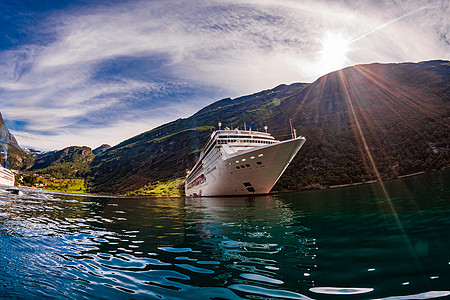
[334,50]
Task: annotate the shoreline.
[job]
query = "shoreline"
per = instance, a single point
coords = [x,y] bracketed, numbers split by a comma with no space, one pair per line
[357,183]
[270,193]
[376,180]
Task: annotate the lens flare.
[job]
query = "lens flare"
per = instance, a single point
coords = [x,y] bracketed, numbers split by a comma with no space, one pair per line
[333,53]
[353,100]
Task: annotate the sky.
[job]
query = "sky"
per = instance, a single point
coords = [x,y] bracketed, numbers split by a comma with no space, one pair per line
[91,72]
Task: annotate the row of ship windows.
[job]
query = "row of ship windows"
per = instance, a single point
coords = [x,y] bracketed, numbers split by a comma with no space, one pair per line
[214,156]
[243,137]
[219,142]
[247,165]
[251,157]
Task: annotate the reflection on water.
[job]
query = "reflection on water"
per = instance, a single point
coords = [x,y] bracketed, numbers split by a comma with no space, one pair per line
[350,242]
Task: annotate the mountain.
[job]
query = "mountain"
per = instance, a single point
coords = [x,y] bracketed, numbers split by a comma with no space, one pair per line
[169,150]
[5,136]
[361,123]
[10,149]
[37,153]
[101,149]
[70,162]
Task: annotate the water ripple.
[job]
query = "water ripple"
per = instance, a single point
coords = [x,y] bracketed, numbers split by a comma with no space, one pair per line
[195,269]
[77,247]
[265,292]
[340,290]
[261,278]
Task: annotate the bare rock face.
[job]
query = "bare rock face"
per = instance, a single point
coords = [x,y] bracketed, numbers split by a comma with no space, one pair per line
[10,150]
[6,137]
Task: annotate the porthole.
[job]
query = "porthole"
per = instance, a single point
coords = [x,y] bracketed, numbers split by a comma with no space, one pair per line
[237,167]
[259,163]
[247,165]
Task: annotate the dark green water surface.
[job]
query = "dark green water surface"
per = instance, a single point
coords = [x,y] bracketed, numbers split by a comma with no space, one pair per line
[362,242]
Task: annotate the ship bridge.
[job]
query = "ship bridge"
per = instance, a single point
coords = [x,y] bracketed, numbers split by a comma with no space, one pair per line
[239,140]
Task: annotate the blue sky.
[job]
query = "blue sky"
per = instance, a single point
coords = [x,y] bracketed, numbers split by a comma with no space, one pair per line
[93,72]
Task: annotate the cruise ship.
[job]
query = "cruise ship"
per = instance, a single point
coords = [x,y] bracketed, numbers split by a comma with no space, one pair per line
[6,176]
[240,162]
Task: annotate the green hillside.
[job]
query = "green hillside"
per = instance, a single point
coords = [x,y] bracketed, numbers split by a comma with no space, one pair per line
[143,160]
[71,162]
[18,159]
[390,119]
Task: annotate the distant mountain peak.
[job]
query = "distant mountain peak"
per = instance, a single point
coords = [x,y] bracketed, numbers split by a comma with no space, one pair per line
[6,137]
[101,149]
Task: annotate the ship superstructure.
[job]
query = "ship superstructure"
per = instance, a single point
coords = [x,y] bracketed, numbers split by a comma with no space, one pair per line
[240,162]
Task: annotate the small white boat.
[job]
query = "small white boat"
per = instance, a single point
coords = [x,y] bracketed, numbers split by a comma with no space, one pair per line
[240,162]
[6,176]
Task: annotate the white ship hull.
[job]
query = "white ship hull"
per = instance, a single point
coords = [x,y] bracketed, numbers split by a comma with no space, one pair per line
[6,177]
[247,172]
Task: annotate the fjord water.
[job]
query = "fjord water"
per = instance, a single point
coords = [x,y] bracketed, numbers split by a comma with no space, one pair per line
[361,242]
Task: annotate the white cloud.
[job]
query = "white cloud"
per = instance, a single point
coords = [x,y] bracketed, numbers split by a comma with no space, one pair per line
[236,47]
[94,136]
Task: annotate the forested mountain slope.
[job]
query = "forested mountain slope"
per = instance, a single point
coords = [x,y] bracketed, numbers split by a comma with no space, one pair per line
[385,119]
[70,162]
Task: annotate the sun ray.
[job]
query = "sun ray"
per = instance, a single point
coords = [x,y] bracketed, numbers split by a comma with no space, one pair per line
[391,21]
[347,89]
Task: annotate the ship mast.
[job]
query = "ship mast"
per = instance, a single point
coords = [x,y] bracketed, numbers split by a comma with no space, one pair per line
[293,131]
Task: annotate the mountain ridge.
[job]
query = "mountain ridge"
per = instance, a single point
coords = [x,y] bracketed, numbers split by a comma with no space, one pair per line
[101,148]
[70,162]
[379,100]
[362,123]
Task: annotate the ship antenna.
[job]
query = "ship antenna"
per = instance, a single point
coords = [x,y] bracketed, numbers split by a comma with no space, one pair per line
[220,124]
[293,131]
[265,128]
